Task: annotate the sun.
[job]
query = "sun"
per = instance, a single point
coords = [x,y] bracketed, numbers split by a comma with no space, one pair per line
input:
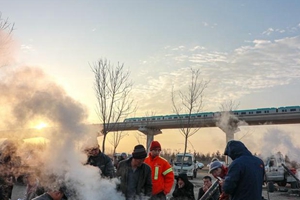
[41,126]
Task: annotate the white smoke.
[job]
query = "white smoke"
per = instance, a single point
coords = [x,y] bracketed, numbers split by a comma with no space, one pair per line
[29,96]
[277,140]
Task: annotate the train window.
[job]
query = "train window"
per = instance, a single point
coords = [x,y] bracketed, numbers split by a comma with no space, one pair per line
[243,113]
[236,113]
[293,109]
[266,111]
[205,115]
[198,115]
[257,112]
[250,112]
[175,117]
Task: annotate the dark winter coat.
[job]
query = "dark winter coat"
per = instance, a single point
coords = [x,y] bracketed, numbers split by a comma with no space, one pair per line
[215,196]
[186,192]
[104,163]
[144,185]
[245,175]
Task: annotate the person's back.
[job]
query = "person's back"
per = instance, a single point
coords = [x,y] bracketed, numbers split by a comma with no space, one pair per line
[246,173]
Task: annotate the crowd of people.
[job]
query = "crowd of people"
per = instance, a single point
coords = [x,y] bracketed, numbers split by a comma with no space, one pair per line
[149,176]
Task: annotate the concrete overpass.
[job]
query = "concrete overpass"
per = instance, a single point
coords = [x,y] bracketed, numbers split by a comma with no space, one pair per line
[153,127]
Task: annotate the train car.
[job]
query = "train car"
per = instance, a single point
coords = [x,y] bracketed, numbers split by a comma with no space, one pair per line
[289,109]
[258,111]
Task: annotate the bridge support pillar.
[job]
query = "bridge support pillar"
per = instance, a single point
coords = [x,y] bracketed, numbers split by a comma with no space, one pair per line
[149,132]
[228,123]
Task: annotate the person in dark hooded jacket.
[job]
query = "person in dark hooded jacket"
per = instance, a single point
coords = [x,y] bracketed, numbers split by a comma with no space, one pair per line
[184,189]
[245,174]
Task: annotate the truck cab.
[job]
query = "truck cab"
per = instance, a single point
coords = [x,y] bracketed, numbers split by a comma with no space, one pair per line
[276,173]
[185,165]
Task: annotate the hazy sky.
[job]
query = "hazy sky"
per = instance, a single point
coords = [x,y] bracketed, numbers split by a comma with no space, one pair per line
[249,50]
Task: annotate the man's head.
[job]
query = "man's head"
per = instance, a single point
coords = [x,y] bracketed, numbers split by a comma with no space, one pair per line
[56,195]
[155,148]
[215,168]
[207,181]
[138,155]
[124,155]
[92,151]
[235,149]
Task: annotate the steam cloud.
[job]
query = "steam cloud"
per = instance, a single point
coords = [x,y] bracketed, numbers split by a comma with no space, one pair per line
[29,96]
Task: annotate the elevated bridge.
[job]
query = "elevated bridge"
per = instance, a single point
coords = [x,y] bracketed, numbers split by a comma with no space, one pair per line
[153,127]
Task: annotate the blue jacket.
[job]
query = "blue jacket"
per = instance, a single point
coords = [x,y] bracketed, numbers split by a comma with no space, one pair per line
[245,175]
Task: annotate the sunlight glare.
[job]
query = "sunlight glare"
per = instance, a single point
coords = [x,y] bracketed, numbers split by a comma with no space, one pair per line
[41,126]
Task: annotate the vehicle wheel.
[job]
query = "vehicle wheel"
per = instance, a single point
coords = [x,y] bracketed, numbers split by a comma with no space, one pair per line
[282,183]
[294,185]
[270,187]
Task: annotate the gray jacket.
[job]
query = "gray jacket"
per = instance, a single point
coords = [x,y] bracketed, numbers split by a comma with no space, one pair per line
[144,185]
[104,163]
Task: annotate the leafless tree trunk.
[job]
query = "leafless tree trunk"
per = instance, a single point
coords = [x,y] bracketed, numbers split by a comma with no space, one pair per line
[117,136]
[189,101]
[112,87]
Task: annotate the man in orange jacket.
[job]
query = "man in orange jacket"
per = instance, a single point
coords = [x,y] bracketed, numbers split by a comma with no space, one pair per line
[161,172]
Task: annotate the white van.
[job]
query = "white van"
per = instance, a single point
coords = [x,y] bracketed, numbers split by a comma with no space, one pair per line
[188,165]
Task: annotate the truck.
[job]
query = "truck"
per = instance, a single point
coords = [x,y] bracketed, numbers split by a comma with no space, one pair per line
[276,172]
[185,165]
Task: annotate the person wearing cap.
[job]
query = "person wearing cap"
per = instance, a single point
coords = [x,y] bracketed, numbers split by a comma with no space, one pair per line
[135,175]
[245,175]
[219,171]
[122,157]
[184,189]
[162,173]
[102,161]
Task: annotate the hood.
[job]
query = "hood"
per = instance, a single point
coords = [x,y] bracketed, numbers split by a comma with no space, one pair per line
[235,149]
[184,177]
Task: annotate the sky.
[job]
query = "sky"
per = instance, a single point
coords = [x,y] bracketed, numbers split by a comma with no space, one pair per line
[248,50]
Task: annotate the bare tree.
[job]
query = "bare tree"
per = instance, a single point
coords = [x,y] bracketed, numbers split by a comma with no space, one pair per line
[229,106]
[116,138]
[6,29]
[139,137]
[189,101]
[5,25]
[112,87]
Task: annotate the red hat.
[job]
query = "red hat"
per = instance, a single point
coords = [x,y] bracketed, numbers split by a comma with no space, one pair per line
[155,145]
